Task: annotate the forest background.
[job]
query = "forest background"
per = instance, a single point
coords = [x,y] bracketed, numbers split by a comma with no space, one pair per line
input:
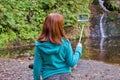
[23,19]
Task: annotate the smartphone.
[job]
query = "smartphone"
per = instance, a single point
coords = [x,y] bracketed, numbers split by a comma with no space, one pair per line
[83,17]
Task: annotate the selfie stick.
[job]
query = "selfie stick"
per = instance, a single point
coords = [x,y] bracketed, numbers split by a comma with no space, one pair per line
[82,18]
[81,34]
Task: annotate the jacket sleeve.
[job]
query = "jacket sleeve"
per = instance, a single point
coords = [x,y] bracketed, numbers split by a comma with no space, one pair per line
[37,64]
[72,58]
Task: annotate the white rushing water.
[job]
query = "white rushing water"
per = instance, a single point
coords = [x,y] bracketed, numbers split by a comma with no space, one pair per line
[102,31]
[101,4]
[103,36]
[102,26]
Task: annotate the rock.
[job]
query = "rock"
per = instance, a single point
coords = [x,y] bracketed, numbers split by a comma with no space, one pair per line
[112,5]
[31,66]
[31,58]
[12,69]
[26,55]
[16,56]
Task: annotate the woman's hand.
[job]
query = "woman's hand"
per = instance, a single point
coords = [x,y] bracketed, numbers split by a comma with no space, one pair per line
[79,44]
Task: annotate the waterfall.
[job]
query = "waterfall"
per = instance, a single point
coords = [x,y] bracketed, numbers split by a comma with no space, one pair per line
[102,30]
[102,26]
[101,4]
[102,19]
[103,36]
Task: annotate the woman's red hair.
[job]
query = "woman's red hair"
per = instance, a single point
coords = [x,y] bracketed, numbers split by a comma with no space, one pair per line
[53,29]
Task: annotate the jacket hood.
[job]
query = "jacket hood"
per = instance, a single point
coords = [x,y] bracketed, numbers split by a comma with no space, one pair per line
[47,47]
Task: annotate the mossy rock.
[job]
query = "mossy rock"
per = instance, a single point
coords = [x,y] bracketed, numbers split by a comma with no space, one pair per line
[112,5]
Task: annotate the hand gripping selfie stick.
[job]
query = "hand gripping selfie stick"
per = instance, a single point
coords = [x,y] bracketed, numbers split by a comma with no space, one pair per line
[82,18]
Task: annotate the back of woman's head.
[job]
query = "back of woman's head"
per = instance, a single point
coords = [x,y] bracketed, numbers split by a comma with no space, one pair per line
[53,29]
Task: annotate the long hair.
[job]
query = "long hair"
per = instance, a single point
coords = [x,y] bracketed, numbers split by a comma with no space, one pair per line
[53,29]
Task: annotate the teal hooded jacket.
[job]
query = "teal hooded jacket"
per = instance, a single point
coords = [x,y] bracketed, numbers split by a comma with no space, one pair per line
[50,59]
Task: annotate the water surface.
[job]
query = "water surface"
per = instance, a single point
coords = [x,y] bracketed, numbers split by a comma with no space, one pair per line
[101,49]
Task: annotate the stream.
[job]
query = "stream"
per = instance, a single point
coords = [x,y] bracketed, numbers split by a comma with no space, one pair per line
[100,49]
[103,49]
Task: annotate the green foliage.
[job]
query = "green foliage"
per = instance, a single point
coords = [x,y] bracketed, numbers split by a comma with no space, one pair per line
[112,4]
[23,19]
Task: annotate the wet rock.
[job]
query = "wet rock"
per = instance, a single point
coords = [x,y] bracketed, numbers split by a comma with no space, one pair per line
[112,5]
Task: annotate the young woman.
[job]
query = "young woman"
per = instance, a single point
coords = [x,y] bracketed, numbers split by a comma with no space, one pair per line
[54,56]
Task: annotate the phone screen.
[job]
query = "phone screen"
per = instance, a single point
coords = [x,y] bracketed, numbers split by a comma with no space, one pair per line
[83,17]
